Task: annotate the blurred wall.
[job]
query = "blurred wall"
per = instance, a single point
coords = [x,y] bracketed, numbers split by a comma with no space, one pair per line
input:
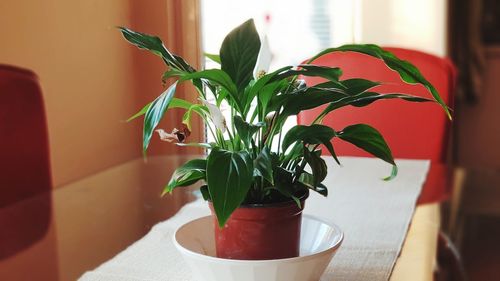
[419,25]
[91,78]
[478,127]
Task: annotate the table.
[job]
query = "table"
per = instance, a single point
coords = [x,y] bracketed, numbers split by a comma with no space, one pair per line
[373,214]
[87,212]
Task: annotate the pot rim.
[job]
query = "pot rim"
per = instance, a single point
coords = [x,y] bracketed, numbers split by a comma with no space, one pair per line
[302,198]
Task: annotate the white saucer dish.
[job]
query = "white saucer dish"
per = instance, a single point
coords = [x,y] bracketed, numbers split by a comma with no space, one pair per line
[318,244]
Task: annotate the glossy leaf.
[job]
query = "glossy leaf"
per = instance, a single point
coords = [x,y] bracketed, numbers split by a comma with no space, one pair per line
[196,144]
[217,77]
[317,164]
[213,57]
[394,173]
[229,176]
[246,130]
[187,174]
[174,103]
[356,86]
[201,110]
[307,179]
[407,71]
[205,193]
[368,139]
[155,113]
[329,73]
[264,165]
[239,52]
[156,46]
[367,98]
[314,134]
[284,184]
[140,112]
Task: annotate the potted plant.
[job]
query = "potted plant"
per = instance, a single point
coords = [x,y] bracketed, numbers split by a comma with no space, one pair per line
[257,193]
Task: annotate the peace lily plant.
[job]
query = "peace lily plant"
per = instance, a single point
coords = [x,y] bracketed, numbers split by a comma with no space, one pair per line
[241,166]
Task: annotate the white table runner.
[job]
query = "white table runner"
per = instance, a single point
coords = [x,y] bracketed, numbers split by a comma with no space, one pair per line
[373,214]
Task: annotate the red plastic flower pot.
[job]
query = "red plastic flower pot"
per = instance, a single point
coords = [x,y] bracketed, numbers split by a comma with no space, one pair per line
[260,232]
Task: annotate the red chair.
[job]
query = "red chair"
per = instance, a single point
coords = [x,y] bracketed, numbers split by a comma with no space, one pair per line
[417,131]
[25,167]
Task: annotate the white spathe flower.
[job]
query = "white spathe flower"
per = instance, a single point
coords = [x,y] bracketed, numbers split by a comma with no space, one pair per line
[216,115]
[263,59]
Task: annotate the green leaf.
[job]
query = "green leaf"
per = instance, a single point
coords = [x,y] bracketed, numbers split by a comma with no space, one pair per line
[356,86]
[172,73]
[264,165]
[394,173]
[368,139]
[284,184]
[318,166]
[329,73]
[156,46]
[246,130]
[229,177]
[213,57]
[294,103]
[217,77]
[155,113]
[205,193]
[187,174]
[196,144]
[313,134]
[366,98]
[238,53]
[407,71]
[140,112]
[307,180]
[175,103]
[200,109]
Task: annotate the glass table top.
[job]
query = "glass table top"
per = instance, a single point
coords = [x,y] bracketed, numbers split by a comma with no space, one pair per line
[60,234]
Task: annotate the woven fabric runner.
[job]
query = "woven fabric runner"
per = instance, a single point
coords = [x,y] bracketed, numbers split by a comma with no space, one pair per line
[374,215]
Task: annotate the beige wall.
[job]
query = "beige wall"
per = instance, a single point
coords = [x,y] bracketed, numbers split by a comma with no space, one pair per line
[92,80]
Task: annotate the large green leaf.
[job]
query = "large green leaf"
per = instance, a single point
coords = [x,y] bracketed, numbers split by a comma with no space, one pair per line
[407,71]
[246,130]
[366,98]
[187,174]
[239,52]
[213,57]
[329,73]
[155,113]
[368,139]
[174,103]
[294,103]
[200,109]
[308,181]
[313,134]
[229,177]
[264,165]
[217,77]
[356,86]
[318,166]
[156,46]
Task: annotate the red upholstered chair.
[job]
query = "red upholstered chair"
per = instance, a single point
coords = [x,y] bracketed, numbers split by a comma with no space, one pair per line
[24,161]
[417,131]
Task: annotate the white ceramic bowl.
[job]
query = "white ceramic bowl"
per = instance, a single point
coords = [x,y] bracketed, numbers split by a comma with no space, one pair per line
[318,243]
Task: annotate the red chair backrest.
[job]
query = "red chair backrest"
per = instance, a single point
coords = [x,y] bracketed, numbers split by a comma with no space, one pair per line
[412,130]
[24,149]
